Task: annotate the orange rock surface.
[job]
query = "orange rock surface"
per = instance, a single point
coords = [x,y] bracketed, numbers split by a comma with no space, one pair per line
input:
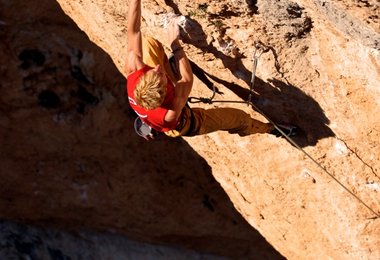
[70,158]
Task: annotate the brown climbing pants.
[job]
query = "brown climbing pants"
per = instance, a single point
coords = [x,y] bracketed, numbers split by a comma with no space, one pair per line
[198,121]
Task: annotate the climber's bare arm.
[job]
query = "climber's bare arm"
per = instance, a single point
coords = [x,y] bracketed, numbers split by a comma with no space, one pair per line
[134,49]
[185,83]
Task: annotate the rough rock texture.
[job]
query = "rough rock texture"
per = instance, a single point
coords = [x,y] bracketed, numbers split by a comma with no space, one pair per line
[23,242]
[69,156]
[71,159]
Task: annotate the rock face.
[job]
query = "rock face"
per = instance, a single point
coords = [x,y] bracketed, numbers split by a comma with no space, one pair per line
[70,158]
[23,242]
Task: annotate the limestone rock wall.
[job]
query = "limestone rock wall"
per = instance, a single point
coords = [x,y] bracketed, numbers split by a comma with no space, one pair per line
[25,242]
[322,73]
[70,159]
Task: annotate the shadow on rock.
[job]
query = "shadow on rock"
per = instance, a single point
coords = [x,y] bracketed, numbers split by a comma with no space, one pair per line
[284,102]
[84,165]
[279,101]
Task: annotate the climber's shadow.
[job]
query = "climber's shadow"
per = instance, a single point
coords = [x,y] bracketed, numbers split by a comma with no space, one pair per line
[283,102]
[279,101]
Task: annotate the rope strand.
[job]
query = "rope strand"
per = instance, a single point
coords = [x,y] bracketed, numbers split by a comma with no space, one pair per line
[256,56]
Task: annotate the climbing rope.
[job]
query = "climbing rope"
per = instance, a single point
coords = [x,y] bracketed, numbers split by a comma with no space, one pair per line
[260,48]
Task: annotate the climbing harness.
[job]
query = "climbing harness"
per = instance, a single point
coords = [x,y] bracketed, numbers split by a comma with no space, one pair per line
[260,48]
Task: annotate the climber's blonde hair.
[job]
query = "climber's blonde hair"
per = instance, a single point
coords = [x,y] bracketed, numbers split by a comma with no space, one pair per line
[150,91]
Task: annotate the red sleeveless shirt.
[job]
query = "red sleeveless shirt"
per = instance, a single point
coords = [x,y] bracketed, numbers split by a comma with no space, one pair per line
[155,117]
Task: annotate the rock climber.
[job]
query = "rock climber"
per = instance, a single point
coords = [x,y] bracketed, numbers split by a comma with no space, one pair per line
[159,96]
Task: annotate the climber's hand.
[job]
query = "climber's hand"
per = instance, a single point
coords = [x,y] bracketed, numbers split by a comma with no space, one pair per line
[173,30]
